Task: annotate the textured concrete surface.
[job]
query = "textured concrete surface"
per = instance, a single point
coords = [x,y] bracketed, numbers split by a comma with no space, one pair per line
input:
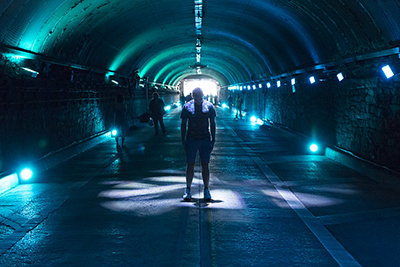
[274,204]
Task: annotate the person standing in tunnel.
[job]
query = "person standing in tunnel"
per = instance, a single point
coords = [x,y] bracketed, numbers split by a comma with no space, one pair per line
[120,121]
[157,112]
[230,103]
[198,120]
[239,104]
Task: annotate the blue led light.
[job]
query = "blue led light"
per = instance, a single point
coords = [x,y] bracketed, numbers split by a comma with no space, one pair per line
[340,76]
[314,148]
[388,71]
[26,174]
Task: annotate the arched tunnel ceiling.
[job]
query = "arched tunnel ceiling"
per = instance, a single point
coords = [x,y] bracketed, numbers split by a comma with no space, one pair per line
[241,39]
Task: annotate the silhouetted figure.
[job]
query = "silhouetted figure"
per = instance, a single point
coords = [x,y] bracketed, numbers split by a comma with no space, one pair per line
[239,104]
[230,103]
[157,112]
[120,121]
[198,115]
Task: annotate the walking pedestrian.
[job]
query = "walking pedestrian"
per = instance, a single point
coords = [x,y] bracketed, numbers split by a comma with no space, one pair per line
[120,121]
[198,120]
[157,112]
[239,103]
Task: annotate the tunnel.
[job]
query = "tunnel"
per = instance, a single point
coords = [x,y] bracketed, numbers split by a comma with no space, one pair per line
[323,72]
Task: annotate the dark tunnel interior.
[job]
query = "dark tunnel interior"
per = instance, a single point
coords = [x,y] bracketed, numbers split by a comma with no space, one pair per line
[63,62]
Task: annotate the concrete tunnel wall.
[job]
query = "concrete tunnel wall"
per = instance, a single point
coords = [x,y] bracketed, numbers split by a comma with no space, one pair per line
[42,115]
[360,114]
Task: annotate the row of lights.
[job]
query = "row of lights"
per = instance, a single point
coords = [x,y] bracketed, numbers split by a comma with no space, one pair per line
[257,121]
[387,70]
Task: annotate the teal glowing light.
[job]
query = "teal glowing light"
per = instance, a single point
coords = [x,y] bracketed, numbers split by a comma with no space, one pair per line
[253,119]
[312,79]
[167,108]
[114,133]
[26,174]
[314,148]
[224,105]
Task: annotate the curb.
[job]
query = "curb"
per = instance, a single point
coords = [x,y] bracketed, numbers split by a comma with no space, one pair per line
[382,175]
[10,180]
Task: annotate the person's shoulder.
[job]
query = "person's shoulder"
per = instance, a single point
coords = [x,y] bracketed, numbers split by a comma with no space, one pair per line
[188,104]
[208,104]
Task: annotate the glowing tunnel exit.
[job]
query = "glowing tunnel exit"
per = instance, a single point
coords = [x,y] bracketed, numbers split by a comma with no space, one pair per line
[208,86]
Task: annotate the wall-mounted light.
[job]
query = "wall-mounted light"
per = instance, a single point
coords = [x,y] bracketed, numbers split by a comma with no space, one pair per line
[254,87]
[268,85]
[340,76]
[314,147]
[388,71]
[115,82]
[278,83]
[33,72]
[248,87]
[312,79]
[259,85]
[293,81]
[26,174]
[114,132]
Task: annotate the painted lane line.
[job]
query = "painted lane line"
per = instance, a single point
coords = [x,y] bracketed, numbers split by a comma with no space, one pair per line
[331,244]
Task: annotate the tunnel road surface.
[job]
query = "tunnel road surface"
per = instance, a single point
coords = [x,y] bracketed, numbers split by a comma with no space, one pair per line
[274,204]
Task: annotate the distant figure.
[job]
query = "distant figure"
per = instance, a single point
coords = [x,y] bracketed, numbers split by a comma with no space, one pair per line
[239,103]
[182,99]
[135,79]
[198,115]
[120,121]
[188,98]
[157,112]
[230,103]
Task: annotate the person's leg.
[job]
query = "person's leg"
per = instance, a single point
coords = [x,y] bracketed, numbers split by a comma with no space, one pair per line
[116,140]
[189,175]
[155,120]
[205,153]
[162,125]
[205,172]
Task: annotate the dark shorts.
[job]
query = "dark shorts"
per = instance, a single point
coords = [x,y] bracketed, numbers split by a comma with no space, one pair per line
[204,148]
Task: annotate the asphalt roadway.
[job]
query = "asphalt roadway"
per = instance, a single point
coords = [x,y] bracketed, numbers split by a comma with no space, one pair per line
[274,204]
